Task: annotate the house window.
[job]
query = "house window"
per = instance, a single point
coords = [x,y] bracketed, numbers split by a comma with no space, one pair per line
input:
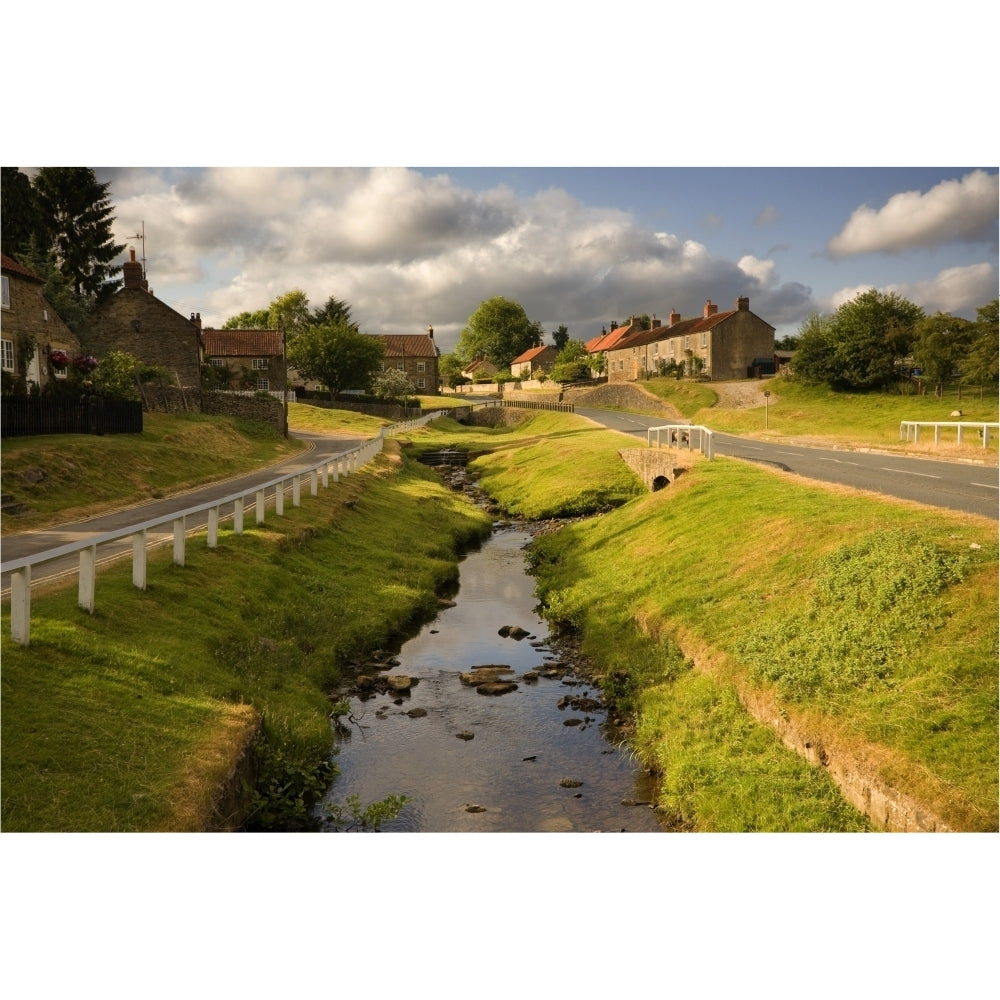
[421,366]
[400,366]
[6,293]
[656,350]
[263,383]
[421,383]
[704,340]
[259,364]
[671,348]
[7,351]
[687,343]
[217,362]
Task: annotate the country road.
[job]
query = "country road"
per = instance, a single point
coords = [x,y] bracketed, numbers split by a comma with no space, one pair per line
[968,487]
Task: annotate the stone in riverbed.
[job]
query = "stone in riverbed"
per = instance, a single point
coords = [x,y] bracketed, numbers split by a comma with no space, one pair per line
[496,687]
[485,674]
[399,682]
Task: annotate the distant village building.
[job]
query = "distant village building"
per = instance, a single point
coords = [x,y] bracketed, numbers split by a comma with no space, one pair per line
[34,342]
[480,370]
[254,358]
[135,321]
[414,354]
[720,346]
[533,362]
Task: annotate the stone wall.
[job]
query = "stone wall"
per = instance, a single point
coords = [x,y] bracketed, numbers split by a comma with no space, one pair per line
[621,397]
[171,399]
[655,467]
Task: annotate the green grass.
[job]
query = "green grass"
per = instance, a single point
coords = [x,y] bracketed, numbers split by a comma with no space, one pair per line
[689,398]
[109,719]
[866,618]
[62,477]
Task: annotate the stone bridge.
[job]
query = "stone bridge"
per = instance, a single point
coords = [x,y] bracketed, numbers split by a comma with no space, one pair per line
[655,467]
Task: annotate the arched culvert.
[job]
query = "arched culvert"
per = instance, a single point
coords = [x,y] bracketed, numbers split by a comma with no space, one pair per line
[659,482]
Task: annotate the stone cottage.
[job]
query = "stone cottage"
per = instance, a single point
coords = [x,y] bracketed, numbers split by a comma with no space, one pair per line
[135,321]
[721,346]
[415,354]
[31,333]
[254,358]
[533,362]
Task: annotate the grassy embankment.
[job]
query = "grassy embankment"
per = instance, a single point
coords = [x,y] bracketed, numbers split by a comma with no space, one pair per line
[705,567]
[127,719]
[870,623]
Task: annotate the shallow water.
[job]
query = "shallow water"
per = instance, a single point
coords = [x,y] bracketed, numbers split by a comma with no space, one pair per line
[521,748]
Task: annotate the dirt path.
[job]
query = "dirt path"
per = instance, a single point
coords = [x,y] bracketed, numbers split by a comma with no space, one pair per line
[740,395]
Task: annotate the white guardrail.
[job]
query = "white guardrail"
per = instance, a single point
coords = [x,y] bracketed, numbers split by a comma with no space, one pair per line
[682,436]
[321,472]
[982,429]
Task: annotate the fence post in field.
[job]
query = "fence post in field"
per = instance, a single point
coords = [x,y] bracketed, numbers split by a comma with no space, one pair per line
[213,527]
[260,506]
[313,483]
[139,559]
[20,605]
[238,516]
[179,540]
[296,492]
[279,498]
[88,578]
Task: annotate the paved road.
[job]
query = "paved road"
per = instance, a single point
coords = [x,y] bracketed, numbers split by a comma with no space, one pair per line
[33,542]
[972,488]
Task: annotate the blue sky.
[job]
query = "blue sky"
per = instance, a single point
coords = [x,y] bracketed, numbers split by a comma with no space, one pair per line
[581,246]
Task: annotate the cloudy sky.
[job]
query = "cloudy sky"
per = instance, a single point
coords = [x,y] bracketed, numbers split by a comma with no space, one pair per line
[580,246]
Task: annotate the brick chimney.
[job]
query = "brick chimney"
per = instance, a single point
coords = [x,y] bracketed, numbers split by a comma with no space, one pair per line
[675,317]
[196,319]
[653,322]
[743,304]
[132,272]
[710,308]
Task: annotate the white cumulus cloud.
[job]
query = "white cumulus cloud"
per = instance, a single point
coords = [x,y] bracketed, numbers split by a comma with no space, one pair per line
[955,210]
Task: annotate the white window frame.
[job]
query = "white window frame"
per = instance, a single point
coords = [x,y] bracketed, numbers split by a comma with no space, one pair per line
[421,366]
[259,364]
[421,383]
[401,366]
[7,354]
[704,339]
[6,291]
[217,362]
[263,385]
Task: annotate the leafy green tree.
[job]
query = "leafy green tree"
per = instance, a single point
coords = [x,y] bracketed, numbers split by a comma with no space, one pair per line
[255,319]
[56,289]
[114,376]
[572,350]
[500,330]
[289,312]
[337,355]
[789,342]
[942,343]
[392,385]
[859,346]
[982,360]
[20,219]
[77,220]
[560,337]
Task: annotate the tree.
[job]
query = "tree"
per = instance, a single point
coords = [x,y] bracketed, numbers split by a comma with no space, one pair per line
[392,385]
[982,359]
[560,337]
[859,346]
[114,376]
[20,219]
[77,223]
[941,345]
[248,320]
[289,312]
[499,330]
[335,311]
[56,288]
[337,355]
[789,342]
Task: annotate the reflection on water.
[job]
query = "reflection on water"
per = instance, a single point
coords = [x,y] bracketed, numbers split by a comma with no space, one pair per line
[525,768]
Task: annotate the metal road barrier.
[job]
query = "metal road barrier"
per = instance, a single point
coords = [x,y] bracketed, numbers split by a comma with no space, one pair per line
[681,436]
[983,429]
[321,472]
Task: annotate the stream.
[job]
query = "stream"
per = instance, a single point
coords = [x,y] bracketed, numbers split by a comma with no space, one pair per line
[531,760]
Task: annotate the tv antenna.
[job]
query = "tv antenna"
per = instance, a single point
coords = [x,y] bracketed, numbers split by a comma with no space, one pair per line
[141,236]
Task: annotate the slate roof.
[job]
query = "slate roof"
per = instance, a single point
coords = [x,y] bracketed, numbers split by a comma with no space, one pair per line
[242,343]
[685,327]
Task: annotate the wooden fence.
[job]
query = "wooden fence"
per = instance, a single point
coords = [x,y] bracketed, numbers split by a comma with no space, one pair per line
[21,416]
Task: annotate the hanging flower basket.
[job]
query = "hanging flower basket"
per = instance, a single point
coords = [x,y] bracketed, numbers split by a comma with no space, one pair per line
[58,359]
[86,364]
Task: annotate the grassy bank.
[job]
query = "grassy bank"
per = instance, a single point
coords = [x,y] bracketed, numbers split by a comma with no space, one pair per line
[122,720]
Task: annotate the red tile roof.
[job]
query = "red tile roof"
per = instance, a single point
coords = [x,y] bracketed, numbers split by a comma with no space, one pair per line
[407,345]
[608,342]
[242,343]
[529,355]
[11,265]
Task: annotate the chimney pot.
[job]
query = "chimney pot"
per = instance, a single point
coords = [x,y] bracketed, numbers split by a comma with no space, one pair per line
[675,317]
[710,308]
[743,303]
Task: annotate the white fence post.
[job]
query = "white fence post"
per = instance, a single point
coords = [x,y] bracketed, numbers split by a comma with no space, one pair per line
[213,527]
[296,492]
[87,582]
[238,516]
[279,498]
[260,506]
[20,605]
[179,540]
[139,559]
